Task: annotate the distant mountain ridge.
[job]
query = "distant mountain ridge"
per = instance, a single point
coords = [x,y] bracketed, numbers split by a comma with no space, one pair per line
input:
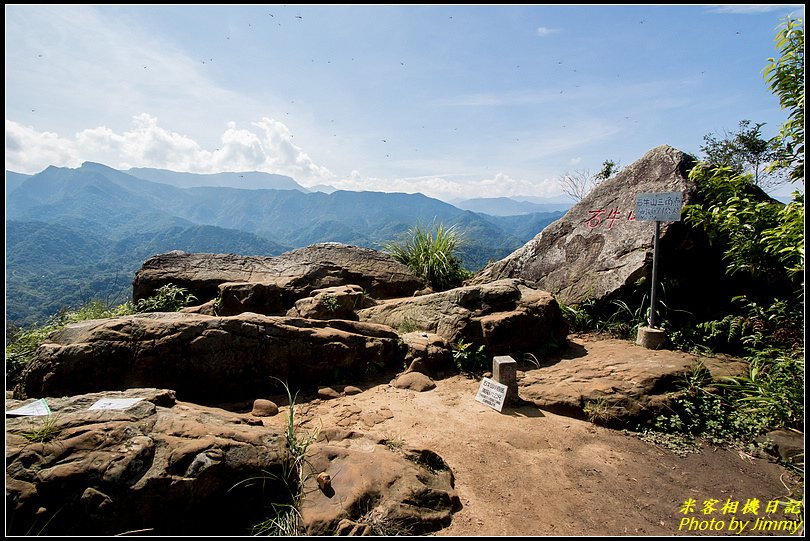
[110,221]
[254,180]
[507,206]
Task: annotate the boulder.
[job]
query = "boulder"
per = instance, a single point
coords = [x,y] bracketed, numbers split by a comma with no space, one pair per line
[300,271]
[598,247]
[427,353]
[504,316]
[394,492]
[415,381]
[205,359]
[158,467]
[338,302]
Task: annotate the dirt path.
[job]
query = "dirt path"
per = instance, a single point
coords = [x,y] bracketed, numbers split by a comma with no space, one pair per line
[528,472]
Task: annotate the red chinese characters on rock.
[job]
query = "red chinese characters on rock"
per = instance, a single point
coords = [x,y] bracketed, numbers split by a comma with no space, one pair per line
[595,219]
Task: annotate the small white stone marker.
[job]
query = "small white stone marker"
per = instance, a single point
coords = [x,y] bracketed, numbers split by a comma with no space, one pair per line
[491,393]
[504,371]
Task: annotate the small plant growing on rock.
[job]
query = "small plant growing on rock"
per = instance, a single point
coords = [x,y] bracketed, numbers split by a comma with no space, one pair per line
[598,411]
[330,302]
[468,358]
[287,519]
[46,430]
[168,298]
[430,253]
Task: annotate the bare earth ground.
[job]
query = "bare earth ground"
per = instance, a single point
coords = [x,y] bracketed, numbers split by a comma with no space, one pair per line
[528,472]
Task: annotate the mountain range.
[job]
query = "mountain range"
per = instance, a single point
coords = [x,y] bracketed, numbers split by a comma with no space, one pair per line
[73,235]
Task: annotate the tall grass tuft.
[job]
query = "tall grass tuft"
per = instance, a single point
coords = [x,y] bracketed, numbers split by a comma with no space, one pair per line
[430,253]
[285,518]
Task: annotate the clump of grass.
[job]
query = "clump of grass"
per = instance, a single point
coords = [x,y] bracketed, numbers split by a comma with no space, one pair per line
[598,411]
[285,518]
[428,460]
[407,325]
[430,253]
[45,431]
[381,524]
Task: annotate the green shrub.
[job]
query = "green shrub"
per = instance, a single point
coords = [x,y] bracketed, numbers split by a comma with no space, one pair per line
[773,389]
[735,410]
[330,302]
[168,298]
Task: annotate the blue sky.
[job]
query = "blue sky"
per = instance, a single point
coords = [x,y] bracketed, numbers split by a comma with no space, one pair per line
[454,101]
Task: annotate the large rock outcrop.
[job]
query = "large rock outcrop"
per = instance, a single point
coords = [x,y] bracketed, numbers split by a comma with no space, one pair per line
[504,316]
[598,247]
[205,359]
[158,467]
[290,276]
[166,468]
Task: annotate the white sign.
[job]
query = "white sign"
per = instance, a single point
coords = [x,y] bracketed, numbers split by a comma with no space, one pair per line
[491,393]
[114,403]
[39,408]
[659,207]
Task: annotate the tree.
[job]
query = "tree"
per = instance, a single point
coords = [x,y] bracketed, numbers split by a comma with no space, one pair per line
[761,236]
[578,184]
[744,152]
[785,75]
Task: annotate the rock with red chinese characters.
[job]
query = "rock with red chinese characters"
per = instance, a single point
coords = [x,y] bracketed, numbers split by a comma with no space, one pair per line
[598,246]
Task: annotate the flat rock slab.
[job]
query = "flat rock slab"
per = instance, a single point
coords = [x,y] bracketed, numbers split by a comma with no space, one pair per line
[622,382]
[204,359]
[305,269]
[158,467]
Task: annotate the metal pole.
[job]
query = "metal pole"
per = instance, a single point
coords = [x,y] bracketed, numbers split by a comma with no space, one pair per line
[654,275]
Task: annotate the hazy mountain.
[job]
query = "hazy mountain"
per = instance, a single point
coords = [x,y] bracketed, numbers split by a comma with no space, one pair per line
[14,180]
[325,188]
[506,206]
[52,266]
[562,200]
[247,180]
[76,234]
[525,226]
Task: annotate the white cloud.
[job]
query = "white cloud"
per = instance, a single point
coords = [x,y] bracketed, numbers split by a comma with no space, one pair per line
[545,31]
[29,151]
[269,149]
[448,189]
